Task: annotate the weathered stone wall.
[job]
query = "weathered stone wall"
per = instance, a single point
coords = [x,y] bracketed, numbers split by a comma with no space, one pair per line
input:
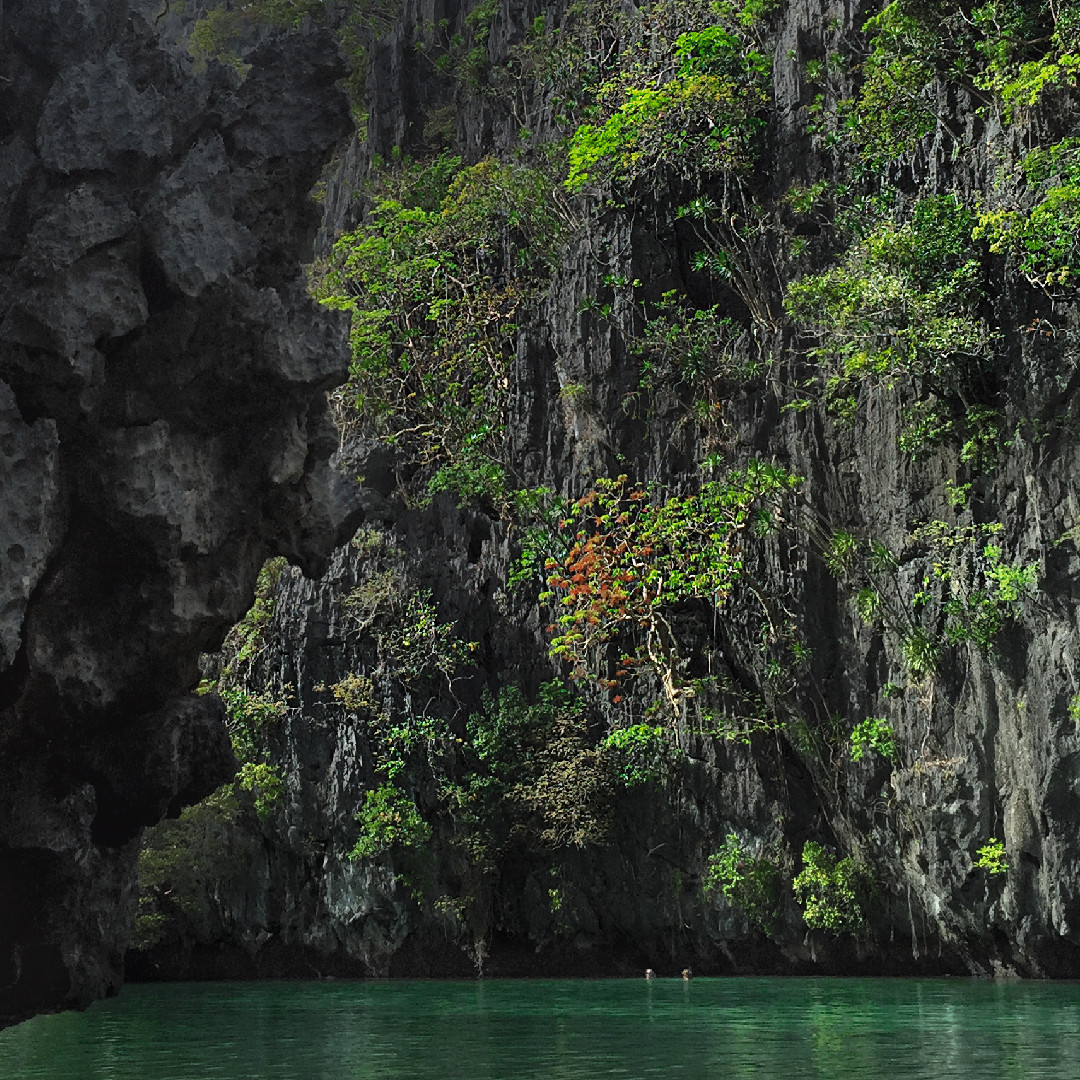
[163,429]
[986,748]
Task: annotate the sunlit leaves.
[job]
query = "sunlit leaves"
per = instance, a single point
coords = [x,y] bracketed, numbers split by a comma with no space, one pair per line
[631,558]
[1044,235]
[833,892]
[702,118]
[904,305]
[434,278]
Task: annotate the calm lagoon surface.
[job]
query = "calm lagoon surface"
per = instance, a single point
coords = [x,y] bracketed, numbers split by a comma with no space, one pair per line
[560,1029]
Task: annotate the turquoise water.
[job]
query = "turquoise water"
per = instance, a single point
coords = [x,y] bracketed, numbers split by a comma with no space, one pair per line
[770,1029]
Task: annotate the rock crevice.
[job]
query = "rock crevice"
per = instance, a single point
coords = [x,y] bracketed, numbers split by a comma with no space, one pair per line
[163,430]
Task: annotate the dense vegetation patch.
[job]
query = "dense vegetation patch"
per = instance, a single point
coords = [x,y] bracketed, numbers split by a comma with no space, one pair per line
[834,893]
[702,118]
[631,558]
[435,279]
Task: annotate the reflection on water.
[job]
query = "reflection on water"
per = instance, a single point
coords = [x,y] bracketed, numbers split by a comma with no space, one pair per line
[712,1029]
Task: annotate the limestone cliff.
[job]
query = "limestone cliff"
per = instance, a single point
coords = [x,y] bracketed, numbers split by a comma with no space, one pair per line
[886,697]
[163,429]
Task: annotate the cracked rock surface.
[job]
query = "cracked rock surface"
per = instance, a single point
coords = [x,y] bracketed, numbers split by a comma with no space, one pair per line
[163,430]
[986,749]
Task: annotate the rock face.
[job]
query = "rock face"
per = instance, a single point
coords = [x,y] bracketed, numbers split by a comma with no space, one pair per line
[163,429]
[986,743]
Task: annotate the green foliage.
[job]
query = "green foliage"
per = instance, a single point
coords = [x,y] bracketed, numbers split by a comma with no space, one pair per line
[751,884]
[874,734]
[1035,77]
[441,272]
[413,649]
[570,55]
[903,307]
[723,868]
[434,278]
[677,90]
[215,35]
[403,735]
[936,421]
[472,479]
[179,859]
[149,929]
[355,692]
[702,118]
[742,714]
[519,777]
[639,752]
[841,552]
[983,590]
[967,593]
[692,346]
[1044,234]
[388,820]
[539,511]
[381,592]
[1074,708]
[248,712]
[921,651]
[539,778]
[417,645]
[833,893]
[738,237]
[245,641]
[218,32]
[466,55]
[894,108]
[1011,51]
[266,784]
[631,559]
[411,641]
[246,716]
[1033,48]
[868,604]
[991,857]
[402,686]
[756,11]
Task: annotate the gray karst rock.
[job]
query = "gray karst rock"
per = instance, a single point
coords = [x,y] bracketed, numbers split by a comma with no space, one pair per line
[163,429]
[835,731]
[975,738]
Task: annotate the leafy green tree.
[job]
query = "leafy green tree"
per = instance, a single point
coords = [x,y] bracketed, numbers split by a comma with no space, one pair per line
[751,884]
[702,119]
[1043,236]
[834,892]
[903,308]
[388,819]
[435,278]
